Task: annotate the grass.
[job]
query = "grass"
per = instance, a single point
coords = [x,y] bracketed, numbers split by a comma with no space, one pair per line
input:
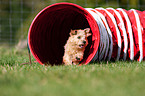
[112,79]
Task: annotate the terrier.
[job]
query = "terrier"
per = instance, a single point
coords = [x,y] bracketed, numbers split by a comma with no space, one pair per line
[75,46]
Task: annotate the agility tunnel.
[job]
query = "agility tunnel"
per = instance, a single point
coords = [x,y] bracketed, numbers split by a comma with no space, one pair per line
[116,33]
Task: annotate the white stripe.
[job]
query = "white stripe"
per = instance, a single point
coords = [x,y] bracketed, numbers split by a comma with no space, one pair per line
[117,30]
[129,29]
[104,45]
[139,34]
[102,48]
[109,33]
[124,32]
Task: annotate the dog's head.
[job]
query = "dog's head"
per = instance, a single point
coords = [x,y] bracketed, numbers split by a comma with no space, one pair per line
[79,37]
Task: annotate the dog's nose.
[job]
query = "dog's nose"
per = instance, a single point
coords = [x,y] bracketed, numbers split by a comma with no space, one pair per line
[84,42]
[77,58]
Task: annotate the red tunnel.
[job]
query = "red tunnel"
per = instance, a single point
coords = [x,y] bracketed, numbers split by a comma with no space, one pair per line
[50,29]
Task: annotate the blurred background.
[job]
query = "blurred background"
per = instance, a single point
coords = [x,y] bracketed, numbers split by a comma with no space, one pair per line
[17,15]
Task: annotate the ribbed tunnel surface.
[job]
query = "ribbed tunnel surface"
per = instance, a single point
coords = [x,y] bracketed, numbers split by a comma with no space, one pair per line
[50,29]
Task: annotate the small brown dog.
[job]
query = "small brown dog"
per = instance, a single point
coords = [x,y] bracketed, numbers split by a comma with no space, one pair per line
[75,46]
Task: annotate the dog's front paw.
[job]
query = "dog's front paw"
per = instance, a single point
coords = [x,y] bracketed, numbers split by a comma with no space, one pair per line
[75,62]
[67,64]
[67,61]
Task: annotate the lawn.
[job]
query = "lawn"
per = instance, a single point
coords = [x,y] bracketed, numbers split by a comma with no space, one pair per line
[122,78]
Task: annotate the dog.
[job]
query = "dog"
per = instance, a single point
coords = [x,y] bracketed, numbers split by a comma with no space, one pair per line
[75,46]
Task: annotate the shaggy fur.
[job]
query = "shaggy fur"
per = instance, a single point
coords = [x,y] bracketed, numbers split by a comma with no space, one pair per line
[75,46]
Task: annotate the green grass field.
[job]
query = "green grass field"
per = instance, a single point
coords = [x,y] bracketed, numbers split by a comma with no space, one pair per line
[97,79]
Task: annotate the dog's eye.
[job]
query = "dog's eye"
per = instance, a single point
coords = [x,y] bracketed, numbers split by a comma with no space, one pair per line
[79,37]
[75,32]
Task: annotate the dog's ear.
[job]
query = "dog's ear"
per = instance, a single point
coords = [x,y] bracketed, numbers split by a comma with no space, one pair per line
[70,32]
[89,34]
[73,32]
[87,30]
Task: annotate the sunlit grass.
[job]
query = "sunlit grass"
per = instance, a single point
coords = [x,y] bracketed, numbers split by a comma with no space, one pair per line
[122,78]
